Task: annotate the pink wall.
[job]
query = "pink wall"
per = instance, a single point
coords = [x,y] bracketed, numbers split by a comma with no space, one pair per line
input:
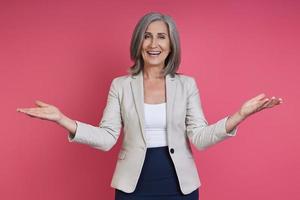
[67,52]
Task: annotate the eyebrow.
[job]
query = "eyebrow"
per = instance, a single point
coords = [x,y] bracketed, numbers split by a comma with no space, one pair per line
[157,33]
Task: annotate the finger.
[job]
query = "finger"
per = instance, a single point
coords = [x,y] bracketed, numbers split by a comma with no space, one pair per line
[41,104]
[263,104]
[36,113]
[27,110]
[265,101]
[272,102]
[260,96]
[23,110]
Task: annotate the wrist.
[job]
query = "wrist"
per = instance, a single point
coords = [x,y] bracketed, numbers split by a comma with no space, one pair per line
[61,119]
[241,116]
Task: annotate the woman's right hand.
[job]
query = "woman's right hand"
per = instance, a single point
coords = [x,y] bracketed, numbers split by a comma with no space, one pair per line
[49,112]
[43,111]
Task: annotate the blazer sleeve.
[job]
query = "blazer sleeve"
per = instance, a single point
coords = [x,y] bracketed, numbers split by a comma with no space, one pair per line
[105,136]
[199,132]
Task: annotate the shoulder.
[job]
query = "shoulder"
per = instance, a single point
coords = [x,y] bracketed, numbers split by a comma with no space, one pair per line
[184,77]
[123,77]
[119,80]
[188,81]
[121,83]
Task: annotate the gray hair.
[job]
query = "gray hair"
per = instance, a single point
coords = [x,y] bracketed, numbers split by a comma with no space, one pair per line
[172,61]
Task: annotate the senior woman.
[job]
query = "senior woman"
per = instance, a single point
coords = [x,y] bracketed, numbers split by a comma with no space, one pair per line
[161,113]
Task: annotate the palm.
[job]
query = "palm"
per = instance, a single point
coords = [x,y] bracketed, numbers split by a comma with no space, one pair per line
[258,103]
[43,111]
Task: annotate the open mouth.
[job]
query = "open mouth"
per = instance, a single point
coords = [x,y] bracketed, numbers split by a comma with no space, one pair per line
[153,53]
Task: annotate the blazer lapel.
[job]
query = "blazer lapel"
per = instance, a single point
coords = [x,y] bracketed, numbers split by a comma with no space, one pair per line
[170,92]
[137,87]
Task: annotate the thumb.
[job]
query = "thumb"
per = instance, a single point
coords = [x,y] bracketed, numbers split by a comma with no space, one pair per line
[260,96]
[41,104]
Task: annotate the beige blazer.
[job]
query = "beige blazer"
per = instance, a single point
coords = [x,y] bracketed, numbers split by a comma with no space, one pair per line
[185,123]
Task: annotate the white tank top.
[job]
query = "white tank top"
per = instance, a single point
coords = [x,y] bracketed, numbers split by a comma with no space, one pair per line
[155,124]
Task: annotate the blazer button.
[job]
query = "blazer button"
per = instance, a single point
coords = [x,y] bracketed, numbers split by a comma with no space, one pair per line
[172,150]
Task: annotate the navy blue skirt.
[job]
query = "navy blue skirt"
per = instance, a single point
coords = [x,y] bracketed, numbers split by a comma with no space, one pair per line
[158,180]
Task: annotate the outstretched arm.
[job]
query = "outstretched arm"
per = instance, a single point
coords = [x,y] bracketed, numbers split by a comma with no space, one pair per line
[102,137]
[250,107]
[203,135]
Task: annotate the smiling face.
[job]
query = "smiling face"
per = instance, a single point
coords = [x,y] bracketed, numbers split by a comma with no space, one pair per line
[156,44]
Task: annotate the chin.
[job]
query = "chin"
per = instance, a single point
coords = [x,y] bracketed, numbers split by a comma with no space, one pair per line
[154,64]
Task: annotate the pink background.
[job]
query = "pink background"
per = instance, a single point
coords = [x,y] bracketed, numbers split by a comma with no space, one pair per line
[67,52]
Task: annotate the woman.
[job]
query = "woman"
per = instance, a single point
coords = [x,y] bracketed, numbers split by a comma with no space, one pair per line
[161,113]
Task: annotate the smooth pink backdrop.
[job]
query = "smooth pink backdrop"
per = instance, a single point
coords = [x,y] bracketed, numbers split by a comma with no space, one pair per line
[67,52]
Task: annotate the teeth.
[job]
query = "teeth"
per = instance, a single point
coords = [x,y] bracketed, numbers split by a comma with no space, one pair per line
[153,52]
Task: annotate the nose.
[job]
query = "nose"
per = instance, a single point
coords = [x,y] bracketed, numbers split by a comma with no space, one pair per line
[153,43]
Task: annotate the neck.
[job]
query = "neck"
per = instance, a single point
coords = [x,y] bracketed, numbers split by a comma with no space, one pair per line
[152,73]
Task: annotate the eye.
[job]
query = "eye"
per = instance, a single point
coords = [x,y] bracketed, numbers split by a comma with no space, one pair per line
[146,36]
[161,37]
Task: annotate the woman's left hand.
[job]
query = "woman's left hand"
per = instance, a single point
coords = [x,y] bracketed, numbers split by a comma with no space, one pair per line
[257,104]
[250,107]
